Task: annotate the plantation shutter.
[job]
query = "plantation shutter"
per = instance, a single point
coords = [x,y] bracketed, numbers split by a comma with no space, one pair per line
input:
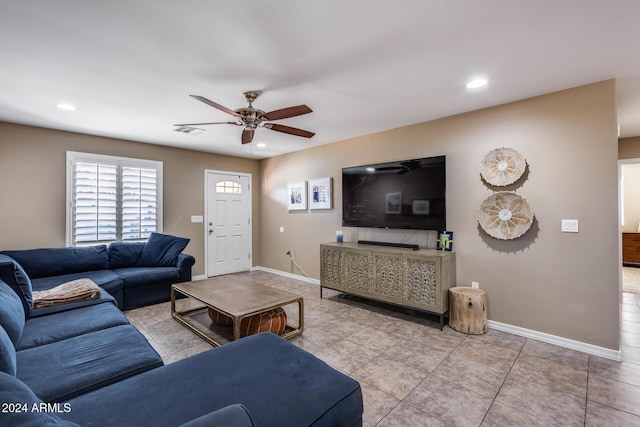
[139,202]
[112,198]
[95,202]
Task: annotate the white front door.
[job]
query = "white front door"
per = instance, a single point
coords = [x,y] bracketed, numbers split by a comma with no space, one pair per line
[227,223]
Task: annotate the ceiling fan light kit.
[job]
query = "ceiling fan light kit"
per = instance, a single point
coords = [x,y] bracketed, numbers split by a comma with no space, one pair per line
[252,118]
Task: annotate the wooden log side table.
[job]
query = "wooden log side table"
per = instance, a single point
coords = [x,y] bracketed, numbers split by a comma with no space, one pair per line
[468,310]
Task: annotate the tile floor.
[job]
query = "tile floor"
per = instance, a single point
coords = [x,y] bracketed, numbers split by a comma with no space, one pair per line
[413,374]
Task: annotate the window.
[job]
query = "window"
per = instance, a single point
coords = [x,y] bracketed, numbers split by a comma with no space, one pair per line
[228,187]
[112,198]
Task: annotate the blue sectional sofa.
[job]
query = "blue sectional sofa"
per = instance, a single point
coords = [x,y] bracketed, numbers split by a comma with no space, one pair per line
[84,364]
[135,274]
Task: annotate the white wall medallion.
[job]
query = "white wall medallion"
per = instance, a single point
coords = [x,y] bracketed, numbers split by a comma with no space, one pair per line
[505,216]
[502,166]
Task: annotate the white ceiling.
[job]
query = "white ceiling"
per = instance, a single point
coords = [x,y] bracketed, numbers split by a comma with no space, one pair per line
[363,66]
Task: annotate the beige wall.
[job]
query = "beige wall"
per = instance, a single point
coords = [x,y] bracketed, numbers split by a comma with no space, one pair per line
[559,283]
[32,172]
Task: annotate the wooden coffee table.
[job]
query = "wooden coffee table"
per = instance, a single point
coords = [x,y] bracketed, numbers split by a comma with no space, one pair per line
[235,298]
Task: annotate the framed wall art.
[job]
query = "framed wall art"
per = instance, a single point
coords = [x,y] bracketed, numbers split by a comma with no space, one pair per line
[320,196]
[297,196]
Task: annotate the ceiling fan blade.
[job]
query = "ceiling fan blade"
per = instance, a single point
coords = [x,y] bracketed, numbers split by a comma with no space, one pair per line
[211,123]
[215,105]
[285,113]
[247,136]
[289,130]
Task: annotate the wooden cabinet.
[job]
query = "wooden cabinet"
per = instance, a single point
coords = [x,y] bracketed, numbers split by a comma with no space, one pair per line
[415,279]
[631,248]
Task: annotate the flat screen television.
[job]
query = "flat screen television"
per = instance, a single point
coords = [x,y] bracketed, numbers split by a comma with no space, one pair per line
[407,194]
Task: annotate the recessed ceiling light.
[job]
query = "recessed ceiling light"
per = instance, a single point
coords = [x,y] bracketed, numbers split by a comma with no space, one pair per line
[477,83]
[67,107]
[261,144]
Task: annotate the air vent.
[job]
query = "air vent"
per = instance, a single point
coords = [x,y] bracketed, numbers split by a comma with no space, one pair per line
[189,130]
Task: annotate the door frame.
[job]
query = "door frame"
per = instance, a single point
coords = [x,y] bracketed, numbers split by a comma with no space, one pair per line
[206,215]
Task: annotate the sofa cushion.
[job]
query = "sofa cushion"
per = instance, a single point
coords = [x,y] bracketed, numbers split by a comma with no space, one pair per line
[11,313]
[161,250]
[279,383]
[14,275]
[61,370]
[147,276]
[47,262]
[7,354]
[71,323]
[232,415]
[26,410]
[124,254]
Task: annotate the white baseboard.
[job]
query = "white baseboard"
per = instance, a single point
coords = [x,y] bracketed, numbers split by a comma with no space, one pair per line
[504,327]
[289,275]
[199,277]
[595,350]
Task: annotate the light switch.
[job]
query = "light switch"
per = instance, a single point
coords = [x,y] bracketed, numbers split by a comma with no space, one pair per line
[197,218]
[569,225]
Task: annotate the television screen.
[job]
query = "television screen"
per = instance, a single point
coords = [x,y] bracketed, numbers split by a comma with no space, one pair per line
[404,194]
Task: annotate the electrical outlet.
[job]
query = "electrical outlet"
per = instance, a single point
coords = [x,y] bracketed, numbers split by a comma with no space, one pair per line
[475,285]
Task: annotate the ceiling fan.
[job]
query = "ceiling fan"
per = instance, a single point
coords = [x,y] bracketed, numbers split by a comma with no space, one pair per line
[251,118]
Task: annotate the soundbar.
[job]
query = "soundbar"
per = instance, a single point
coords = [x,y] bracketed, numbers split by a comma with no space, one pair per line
[394,245]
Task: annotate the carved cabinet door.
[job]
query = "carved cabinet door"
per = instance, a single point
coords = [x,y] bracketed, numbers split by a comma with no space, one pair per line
[387,276]
[421,283]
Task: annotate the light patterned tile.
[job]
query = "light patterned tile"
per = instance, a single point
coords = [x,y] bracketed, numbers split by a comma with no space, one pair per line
[390,376]
[499,358]
[475,376]
[377,404]
[374,339]
[345,356]
[600,415]
[417,354]
[451,403]
[405,415]
[548,372]
[556,354]
[548,404]
[501,415]
[621,371]
[615,394]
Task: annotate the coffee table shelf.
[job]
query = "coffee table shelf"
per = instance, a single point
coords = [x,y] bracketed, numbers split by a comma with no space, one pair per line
[235,299]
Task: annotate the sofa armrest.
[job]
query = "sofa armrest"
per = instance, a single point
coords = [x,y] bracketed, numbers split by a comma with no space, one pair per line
[184,264]
[233,415]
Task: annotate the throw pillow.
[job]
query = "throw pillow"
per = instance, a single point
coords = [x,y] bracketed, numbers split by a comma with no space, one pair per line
[161,250]
[14,276]
[124,254]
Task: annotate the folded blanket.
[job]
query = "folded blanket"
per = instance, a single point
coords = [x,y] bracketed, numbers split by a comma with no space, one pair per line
[73,291]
